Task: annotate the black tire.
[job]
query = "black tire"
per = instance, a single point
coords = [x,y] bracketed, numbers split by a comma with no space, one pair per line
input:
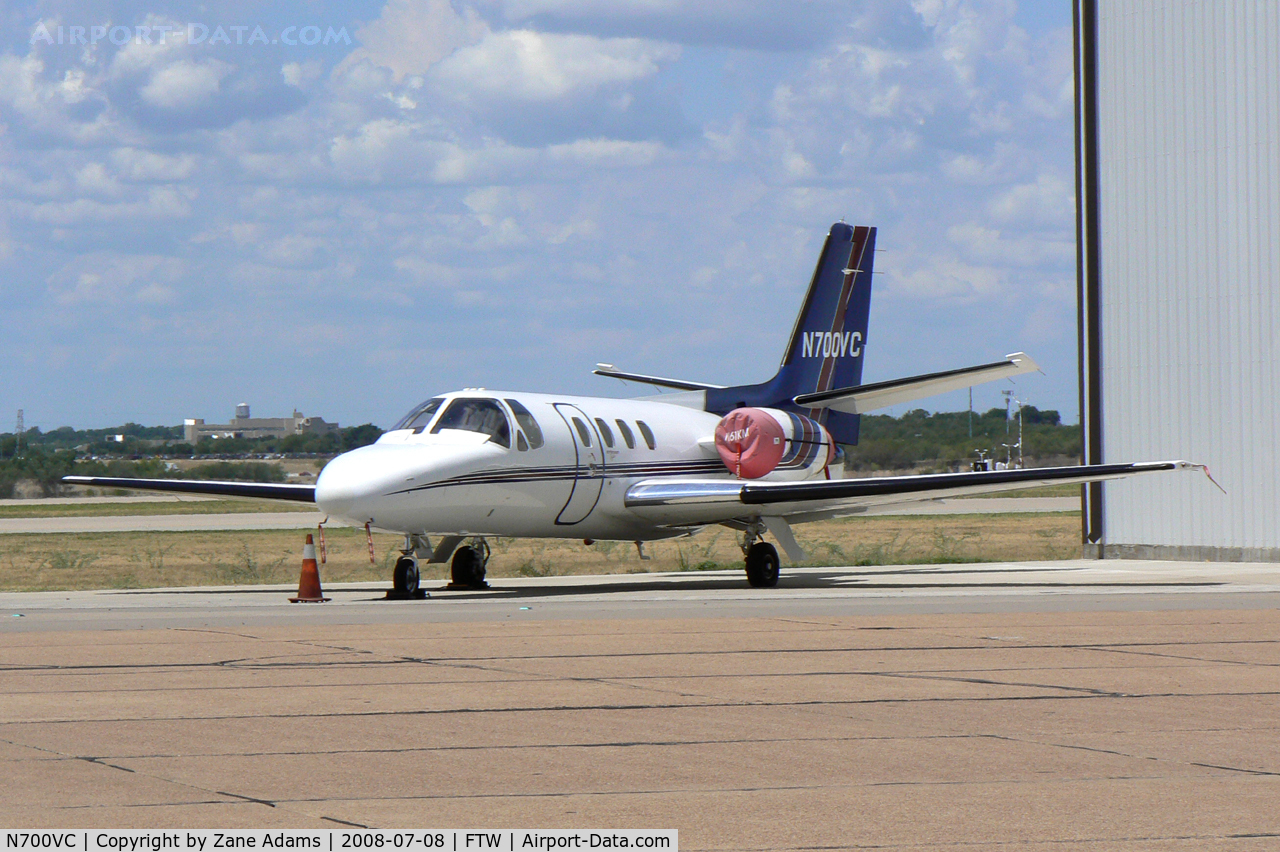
[405,577]
[763,566]
[468,568]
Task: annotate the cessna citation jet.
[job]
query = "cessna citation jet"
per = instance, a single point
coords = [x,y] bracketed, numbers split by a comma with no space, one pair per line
[755,458]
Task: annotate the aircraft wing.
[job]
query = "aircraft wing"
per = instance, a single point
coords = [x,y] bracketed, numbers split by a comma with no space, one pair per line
[697,502]
[858,400]
[258,490]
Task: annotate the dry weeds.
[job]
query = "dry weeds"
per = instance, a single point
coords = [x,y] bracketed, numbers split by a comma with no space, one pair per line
[146,560]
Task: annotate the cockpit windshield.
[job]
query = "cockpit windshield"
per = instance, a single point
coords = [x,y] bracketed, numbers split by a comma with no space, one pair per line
[420,416]
[477,415]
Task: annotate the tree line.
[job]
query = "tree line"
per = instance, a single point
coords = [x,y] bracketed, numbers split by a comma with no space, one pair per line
[917,440]
[168,441]
[941,440]
[43,458]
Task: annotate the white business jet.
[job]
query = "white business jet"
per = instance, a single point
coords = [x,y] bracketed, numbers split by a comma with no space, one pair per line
[755,458]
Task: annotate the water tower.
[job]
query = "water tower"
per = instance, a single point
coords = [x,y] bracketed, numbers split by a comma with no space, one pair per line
[242,411]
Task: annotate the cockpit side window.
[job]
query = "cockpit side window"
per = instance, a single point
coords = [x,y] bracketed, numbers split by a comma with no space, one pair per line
[420,416]
[527,423]
[477,415]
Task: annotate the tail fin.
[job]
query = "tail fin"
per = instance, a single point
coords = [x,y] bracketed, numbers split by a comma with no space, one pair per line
[829,338]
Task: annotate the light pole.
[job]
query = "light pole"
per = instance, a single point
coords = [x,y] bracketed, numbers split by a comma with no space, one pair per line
[1021,463]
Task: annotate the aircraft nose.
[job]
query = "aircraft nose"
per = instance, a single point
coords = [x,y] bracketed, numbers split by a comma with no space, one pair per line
[351,481]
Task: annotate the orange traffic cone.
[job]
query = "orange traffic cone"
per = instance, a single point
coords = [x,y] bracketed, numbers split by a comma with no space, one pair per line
[309,581]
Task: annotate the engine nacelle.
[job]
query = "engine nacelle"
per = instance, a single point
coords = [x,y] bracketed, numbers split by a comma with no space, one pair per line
[758,442]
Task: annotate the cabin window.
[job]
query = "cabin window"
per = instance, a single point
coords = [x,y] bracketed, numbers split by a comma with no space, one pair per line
[527,423]
[583,432]
[476,415]
[605,433]
[420,417]
[647,433]
[626,434]
[521,443]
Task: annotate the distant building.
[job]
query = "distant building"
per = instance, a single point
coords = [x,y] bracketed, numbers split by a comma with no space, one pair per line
[244,426]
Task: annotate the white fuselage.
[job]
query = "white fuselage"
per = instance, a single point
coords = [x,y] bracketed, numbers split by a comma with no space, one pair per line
[568,483]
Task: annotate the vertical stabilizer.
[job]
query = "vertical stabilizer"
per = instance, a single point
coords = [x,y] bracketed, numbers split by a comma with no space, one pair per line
[829,338]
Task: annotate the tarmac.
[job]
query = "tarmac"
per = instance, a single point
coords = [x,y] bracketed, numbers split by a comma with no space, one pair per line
[1058,705]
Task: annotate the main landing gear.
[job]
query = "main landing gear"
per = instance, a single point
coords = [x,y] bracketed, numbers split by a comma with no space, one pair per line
[467,566]
[763,566]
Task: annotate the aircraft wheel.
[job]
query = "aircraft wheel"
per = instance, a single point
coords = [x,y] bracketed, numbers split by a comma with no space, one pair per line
[762,565]
[405,577]
[468,568]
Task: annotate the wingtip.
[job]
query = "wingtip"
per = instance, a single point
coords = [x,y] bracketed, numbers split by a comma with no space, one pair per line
[1203,468]
[1209,475]
[1024,361]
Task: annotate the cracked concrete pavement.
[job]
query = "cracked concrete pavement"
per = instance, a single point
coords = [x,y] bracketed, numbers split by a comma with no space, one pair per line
[953,715]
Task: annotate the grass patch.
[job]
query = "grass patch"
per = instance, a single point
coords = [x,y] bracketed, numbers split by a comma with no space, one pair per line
[207,558]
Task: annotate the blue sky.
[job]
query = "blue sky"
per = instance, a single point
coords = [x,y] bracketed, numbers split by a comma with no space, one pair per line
[502,193]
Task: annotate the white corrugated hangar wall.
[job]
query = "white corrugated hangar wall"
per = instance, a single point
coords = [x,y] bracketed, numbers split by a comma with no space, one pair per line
[1178,196]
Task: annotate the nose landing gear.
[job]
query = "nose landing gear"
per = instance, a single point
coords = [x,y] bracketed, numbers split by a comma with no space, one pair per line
[405,578]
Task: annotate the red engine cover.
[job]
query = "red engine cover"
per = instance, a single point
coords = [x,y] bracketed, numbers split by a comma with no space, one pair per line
[750,442]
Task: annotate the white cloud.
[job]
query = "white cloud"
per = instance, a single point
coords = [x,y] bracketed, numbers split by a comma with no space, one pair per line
[533,66]
[93,178]
[744,24]
[293,250]
[301,74]
[992,245]
[607,152]
[139,57]
[1049,198]
[558,173]
[184,84]
[410,36]
[67,106]
[950,279]
[381,147]
[104,278]
[137,164]
[157,204]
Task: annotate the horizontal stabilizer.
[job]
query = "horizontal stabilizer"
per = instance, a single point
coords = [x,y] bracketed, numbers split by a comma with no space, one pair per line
[864,398]
[677,384]
[252,490]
